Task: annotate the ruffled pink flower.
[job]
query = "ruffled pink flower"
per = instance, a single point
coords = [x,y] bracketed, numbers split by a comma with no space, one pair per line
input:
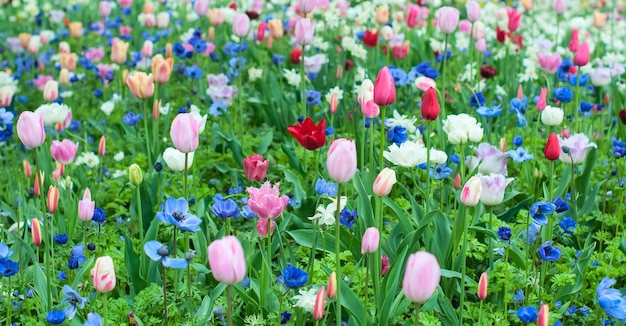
[266,202]
[95,54]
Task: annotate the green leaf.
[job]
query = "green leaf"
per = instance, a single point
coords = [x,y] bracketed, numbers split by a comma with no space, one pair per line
[41,286]
[265,143]
[81,272]
[453,274]
[622,245]
[133,263]
[569,290]
[292,178]
[294,161]
[235,148]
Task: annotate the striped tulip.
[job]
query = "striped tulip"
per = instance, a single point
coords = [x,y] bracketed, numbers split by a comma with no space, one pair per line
[53,199]
[320,304]
[36,232]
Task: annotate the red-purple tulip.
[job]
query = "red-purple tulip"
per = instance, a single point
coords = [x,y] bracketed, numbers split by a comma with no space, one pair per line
[384,87]
[430,105]
[255,167]
[308,134]
[552,151]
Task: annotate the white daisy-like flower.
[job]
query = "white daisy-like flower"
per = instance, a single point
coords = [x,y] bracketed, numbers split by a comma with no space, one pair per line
[402,121]
[107,107]
[306,299]
[119,156]
[335,90]
[90,159]
[255,73]
[293,77]
[326,215]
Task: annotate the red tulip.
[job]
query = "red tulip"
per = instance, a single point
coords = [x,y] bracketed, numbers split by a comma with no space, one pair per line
[622,116]
[370,38]
[295,56]
[308,134]
[552,150]
[430,105]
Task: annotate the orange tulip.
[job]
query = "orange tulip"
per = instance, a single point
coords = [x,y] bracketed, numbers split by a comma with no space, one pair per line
[119,51]
[162,68]
[140,84]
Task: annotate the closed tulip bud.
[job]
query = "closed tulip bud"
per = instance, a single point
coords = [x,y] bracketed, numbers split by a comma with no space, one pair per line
[39,178]
[86,207]
[365,92]
[119,51]
[216,17]
[333,102]
[599,19]
[543,94]
[263,229]
[168,50]
[573,43]
[382,15]
[156,110]
[135,175]
[503,144]
[27,169]
[304,31]
[51,91]
[184,132]
[560,6]
[552,116]
[307,6]
[341,160]
[370,109]
[30,129]
[370,241]
[162,68]
[24,39]
[544,315]
[470,195]
[140,84]
[103,274]
[148,8]
[527,4]
[162,20]
[241,24]
[104,9]
[76,29]
[481,45]
[581,58]
[227,261]
[552,151]
[64,48]
[421,276]
[146,49]
[607,98]
[320,304]
[447,19]
[482,286]
[201,7]
[457,181]
[260,31]
[384,182]
[276,28]
[430,105]
[384,88]
[64,77]
[473,11]
[36,232]
[53,199]
[64,151]
[255,168]
[102,146]
[6,95]
[332,285]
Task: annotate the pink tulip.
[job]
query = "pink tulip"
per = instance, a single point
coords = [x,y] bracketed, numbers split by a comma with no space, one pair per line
[51,91]
[125,3]
[370,241]
[63,151]
[332,285]
[266,202]
[581,58]
[146,50]
[260,32]
[53,199]
[470,195]
[493,187]
[465,27]
[320,304]
[201,7]
[38,184]
[549,62]
[543,94]
[560,6]
[421,277]
[30,129]
[482,286]
[481,45]
[241,24]
[140,84]
[473,11]
[384,182]
[103,274]
[341,160]
[544,315]
[27,169]
[184,132]
[262,227]
[384,88]
[578,145]
[255,168]
[227,261]
[6,95]
[104,9]
[370,109]
[86,207]
[447,19]
[304,31]
[36,232]
[515,19]
[412,19]
[307,6]
[384,265]
[102,146]
[573,43]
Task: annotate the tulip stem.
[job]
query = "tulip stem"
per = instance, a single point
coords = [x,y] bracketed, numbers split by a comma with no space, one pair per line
[573,192]
[417,313]
[575,113]
[302,93]
[367,285]
[428,194]
[338,252]
[506,279]
[480,313]
[381,163]
[463,267]
[229,299]
[48,256]
[489,227]
[443,81]
[145,125]
[105,320]
[139,214]
[164,294]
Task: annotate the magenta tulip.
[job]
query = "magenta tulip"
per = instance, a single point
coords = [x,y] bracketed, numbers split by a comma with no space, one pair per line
[63,151]
[581,58]
[384,88]
[255,168]
[30,129]
[421,277]
[266,202]
[227,261]
[184,132]
[341,160]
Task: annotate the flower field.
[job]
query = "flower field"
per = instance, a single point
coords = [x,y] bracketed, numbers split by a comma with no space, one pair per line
[312,162]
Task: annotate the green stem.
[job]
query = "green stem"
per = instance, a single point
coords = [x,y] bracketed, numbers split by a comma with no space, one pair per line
[48,257]
[577,103]
[365,301]
[241,94]
[140,214]
[428,194]
[480,313]
[145,126]
[489,227]
[417,314]
[164,293]
[463,263]
[9,303]
[229,298]
[381,163]
[191,311]
[302,93]
[443,82]
[338,252]
[573,194]
[506,279]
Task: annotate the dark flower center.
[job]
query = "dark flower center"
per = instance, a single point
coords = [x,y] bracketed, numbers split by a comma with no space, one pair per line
[163,251]
[178,216]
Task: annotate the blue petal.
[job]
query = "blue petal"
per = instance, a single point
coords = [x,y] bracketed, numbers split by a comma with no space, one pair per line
[174,263]
[151,248]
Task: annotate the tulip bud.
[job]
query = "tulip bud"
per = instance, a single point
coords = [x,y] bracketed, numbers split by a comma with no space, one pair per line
[39,178]
[51,91]
[384,88]
[503,144]
[227,261]
[457,181]
[86,207]
[541,104]
[544,315]
[53,199]
[573,44]
[384,265]
[36,232]
[103,274]
[581,57]
[482,286]
[538,174]
[135,175]
[255,168]
[470,194]
[552,151]
[332,285]
[384,182]
[27,169]
[370,241]
[421,277]
[607,98]
[341,161]
[320,303]
[430,105]
[102,146]
[168,50]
